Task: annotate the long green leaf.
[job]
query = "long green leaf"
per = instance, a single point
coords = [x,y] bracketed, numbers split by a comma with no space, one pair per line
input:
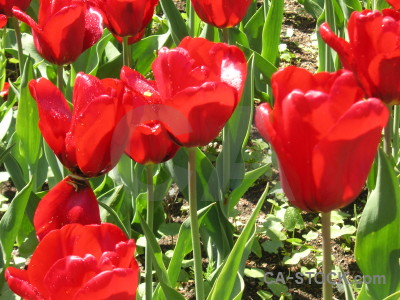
[377,249]
[177,24]
[272,31]
[226,281]
[10,223]
[158,263]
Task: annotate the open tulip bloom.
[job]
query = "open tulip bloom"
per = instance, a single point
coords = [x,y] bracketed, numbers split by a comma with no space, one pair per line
[324,134]
[79,262]
[85,140]
[372,53]
[64,30]
[198,84]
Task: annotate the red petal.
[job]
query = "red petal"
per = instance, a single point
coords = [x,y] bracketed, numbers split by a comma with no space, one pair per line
[342,47]
[18,282]
[195,116]
[23,17]
[342,160]
[3,20]
[93,27]
[55,116]
[73,239]
[86,89]
[68,202]
[118,284]
[67,275]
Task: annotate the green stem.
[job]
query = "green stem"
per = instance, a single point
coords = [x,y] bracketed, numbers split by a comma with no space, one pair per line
[327,290]
[126,52]
[60,77]
[149,220]
[226,139]
[396,124]
[19,45]
[192,19]
[387,144]
[330,18]
[194,225]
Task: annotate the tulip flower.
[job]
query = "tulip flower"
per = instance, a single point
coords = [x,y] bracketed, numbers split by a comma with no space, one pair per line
[324,134]
[149,142]
[128,18]
[65,29]
[199,85]
[3,20]
[221,13]
[79,262]
[5,90]
[372,53]
[85,140]
[70,201]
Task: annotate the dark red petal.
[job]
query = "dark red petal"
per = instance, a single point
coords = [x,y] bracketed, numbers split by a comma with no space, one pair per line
[73,239]
[54,114]
[195,116]
[149,144]
[342,159]
[68,202]
[18,281]
[93,27]
[118,284]
[67,275]
[383,71]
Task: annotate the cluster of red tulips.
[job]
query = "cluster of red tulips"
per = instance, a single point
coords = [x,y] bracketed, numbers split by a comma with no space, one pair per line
[325,128]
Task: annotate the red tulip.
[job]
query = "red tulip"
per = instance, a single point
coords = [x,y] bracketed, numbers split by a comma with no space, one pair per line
[149,142]
[79,262]
[7,5]
[128,17]
[200,84]
[221,13]
[70,201]
[324,134]
[372,53]
[86,140]
[65,29]
[394,3]
[3,20]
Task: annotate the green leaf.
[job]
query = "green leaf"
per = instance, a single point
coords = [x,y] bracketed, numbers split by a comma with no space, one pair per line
[254,28]
[184,245]
[158,263]
[27,119]
[117,221]
[10,223]
[293,219]
[272,31]
[248,180]
[176,23]
[377,246]
[225,281]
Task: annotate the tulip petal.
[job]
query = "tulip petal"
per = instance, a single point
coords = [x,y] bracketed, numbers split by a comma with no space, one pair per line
[67,275]
[68,202]
[340,45]
[23,17]
[86,89]
[198,121]
[3,20]
[18,282]
[342,159]
[118,284]
[54,114]
[94,135]
[93,27]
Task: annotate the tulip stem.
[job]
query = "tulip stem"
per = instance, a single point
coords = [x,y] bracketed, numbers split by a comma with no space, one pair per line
[225,35]
[327,290]
[194,225]
[126,52]
[149,220]
[387,144]
[330,18]
[19,45]
[60,77]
